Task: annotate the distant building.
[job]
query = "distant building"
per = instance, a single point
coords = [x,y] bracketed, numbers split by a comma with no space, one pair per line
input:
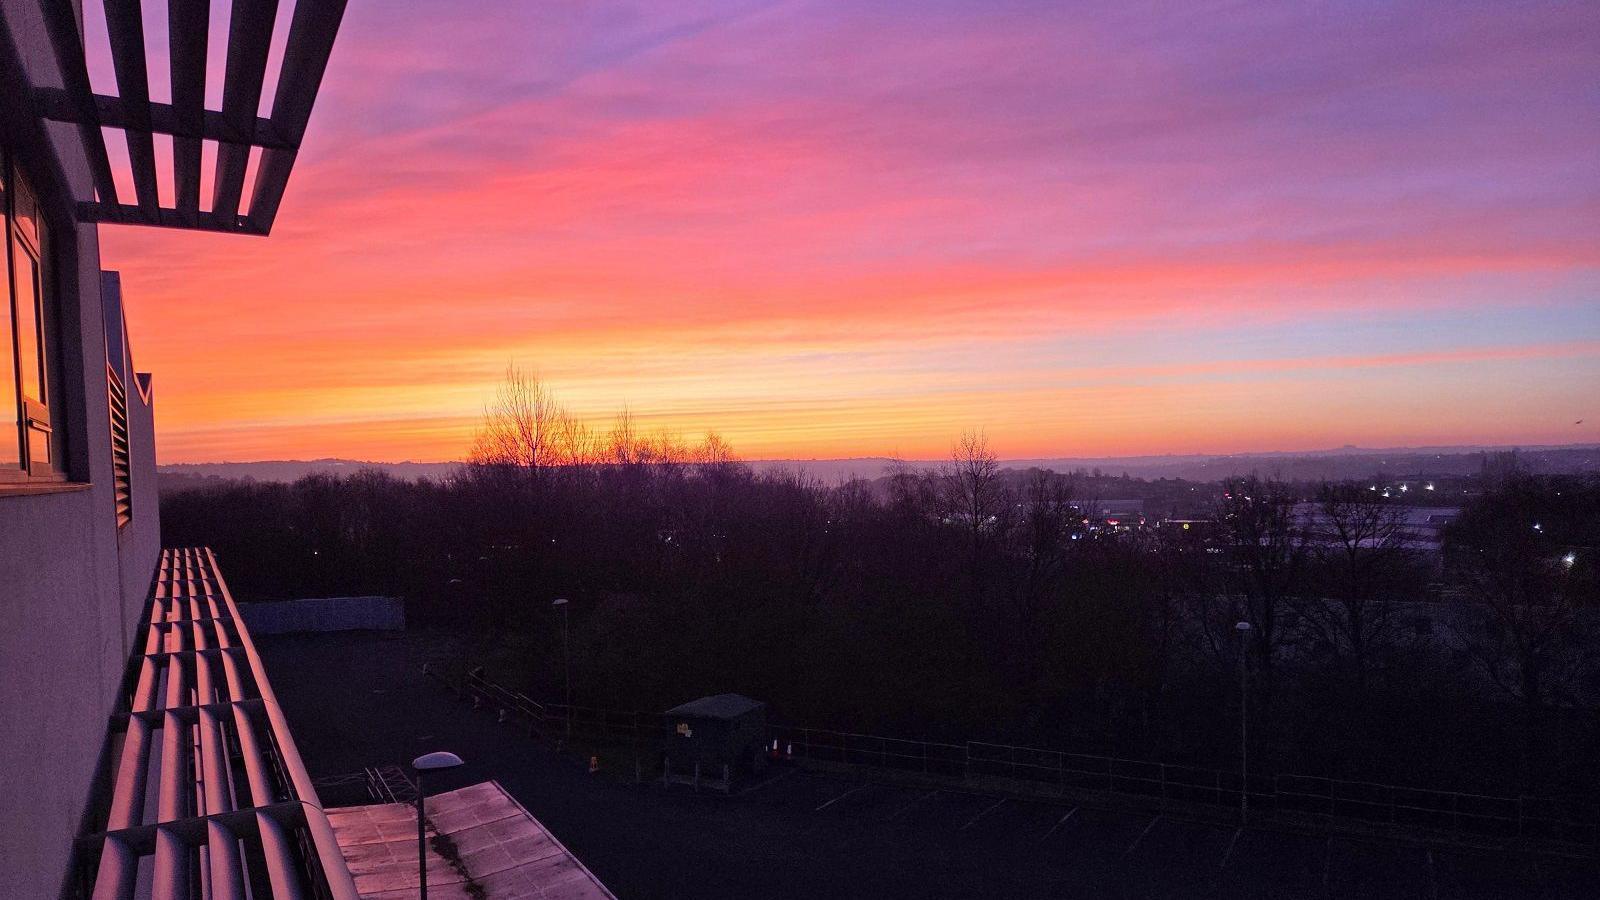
[1419,529]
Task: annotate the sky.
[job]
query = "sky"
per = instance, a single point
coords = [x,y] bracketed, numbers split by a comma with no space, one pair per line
[828,229]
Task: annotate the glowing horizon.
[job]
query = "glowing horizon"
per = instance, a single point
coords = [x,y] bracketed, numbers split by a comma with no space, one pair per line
[825,231]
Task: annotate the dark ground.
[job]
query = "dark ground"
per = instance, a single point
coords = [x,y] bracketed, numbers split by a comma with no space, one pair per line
[359,699]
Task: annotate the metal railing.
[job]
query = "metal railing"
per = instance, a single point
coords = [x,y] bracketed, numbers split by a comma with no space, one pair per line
[1306,798]
[1318,798]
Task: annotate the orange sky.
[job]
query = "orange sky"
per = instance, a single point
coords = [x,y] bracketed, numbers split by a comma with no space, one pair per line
[824,230]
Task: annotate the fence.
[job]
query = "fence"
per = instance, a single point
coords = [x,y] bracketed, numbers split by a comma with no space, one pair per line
[1033,770]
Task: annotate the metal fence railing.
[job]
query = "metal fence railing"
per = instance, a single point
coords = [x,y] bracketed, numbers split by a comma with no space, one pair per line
[1047,771]
[1036,770]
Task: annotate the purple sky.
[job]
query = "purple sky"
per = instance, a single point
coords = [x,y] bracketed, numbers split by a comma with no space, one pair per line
[845,229]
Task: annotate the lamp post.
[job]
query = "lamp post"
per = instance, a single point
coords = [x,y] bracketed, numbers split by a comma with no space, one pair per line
[1244,722]
[428,762]
[567,665]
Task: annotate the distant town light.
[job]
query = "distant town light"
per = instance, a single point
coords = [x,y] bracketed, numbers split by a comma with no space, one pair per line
[1428,486]
[1569,559]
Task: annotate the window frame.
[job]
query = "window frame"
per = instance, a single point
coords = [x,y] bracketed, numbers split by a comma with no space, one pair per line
[35,418]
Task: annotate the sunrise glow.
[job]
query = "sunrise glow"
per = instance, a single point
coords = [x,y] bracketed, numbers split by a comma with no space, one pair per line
[835,229]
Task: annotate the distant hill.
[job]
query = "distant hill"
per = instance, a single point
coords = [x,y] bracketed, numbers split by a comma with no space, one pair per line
[1341,463]
[292,469]
[1313,465]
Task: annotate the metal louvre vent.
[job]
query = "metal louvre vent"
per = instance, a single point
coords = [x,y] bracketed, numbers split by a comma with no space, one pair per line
[121,451]
[206,795]
[243,140]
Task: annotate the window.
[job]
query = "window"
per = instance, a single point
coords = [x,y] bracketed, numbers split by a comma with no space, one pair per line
[28,448]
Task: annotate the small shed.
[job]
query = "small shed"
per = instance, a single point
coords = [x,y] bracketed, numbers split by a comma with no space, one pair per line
[715,739]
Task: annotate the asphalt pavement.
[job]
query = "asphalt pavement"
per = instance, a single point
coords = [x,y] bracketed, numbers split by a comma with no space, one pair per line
[360,699]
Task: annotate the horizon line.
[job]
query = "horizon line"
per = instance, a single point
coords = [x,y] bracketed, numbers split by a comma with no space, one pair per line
[1345,449]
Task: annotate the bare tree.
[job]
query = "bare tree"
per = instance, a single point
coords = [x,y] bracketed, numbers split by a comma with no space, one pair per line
[1520,594]
[974,494]
[1046,520]
[1508,564]
[1267,551]
[527,429]
[1359,546]
[975,499]
[622,443]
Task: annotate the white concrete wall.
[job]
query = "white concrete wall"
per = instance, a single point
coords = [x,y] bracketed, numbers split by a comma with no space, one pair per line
[71,589]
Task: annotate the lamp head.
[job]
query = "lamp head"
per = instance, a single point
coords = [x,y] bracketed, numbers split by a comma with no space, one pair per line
[442,759]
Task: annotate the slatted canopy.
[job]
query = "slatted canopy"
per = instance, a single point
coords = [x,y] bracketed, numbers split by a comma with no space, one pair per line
[204,794]
[236,128]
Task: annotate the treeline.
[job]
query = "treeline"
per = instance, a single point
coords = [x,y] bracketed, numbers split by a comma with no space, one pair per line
[972,602]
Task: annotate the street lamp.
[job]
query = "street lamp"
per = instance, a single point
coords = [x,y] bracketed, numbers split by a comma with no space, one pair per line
[427,762]
[1244,722]
[566,662]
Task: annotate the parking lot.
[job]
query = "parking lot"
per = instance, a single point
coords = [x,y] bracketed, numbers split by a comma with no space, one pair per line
[357,700]
[1157,856]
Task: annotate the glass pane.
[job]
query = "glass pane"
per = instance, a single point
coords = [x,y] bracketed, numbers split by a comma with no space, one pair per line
[38,447]
[24,212]
[30,355]
[10,404]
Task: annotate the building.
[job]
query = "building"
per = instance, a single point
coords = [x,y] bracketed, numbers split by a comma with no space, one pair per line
[1416,529]
[123,671]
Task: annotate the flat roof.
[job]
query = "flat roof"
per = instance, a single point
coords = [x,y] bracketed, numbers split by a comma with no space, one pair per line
[500,851]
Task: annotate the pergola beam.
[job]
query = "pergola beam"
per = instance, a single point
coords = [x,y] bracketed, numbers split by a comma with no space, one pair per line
[55,104]
[188,22]
[249,39]
[125,28]
[61,20]
[237,128]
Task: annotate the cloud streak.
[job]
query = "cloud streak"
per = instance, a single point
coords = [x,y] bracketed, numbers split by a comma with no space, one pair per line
[823,228]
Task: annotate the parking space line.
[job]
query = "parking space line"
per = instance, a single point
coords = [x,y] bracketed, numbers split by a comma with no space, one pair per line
[1327,865]
[1140,837]
[1231,844]
[1059,822]
[974,820]
[757,787]
[859,787]
[896,814]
